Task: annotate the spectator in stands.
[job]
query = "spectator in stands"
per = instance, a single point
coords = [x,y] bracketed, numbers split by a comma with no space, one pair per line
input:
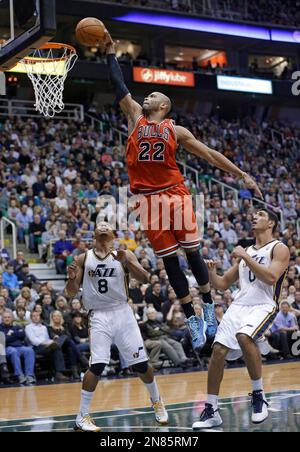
[10,280]
[21,303]
[9,304]
[296,306]
[130,243]
[161,332]
[61,250]
[25,277]
[16,348]
[176,320]
[50,235]
[62,338]
[21,317]
[135,294]
[36,229]
[284,326]
[62,306]
[76,306]
[79,332]
[37,335]
[27,296]
[47,308]
[18,262]
[229,235]
[155,297]
[4,373]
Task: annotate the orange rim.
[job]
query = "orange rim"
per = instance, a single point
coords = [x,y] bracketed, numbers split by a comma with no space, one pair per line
[51,45]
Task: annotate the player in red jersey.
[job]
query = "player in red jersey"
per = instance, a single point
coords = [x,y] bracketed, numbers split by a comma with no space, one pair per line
[151,157]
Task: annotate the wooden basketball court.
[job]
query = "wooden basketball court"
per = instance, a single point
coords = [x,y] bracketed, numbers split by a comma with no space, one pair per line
[123,404]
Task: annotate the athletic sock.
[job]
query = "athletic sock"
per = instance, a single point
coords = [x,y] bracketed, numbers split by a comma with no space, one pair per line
[206,297]
[85,402]
[188,309]
[257,385]
[153,391]
[213,400]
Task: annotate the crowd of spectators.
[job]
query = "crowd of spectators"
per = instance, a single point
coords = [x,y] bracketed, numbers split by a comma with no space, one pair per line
[260,11]
[52,178]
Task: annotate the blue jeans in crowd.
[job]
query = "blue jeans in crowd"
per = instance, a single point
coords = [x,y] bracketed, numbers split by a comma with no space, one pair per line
[21,234]
[56,356]
[83,347]
[14,354]
[61,266]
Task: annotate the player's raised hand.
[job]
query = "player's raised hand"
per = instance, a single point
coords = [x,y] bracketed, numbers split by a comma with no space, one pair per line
[211,265]
[73,268]
[109,44]
[252,185]
[239,252]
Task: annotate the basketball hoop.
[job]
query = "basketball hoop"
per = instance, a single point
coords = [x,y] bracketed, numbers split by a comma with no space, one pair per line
[47,68]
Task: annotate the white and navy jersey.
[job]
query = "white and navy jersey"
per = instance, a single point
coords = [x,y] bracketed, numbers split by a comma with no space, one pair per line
[253,291]
[105,283]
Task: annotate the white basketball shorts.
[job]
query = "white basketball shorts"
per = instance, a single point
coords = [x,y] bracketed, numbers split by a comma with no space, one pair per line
[117,327]
[252,321]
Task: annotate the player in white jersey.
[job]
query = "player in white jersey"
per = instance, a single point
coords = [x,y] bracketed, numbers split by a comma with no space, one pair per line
[103,273]
[261,270]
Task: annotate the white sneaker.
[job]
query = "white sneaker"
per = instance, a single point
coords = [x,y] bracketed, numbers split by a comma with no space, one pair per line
[208,419]
[86,424]
[259,407]
[161,414]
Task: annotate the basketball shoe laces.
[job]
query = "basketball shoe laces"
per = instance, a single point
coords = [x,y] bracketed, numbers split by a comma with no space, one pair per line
[210,318]
[257,401]
[194,328]
[159,408]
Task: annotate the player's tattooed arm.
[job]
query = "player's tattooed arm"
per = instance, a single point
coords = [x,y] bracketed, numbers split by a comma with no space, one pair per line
[129,260]
[75,274]
[128,105]
[215,158]
[222,282]
[269,275]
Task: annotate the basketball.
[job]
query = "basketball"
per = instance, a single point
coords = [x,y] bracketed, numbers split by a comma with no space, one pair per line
[90,32]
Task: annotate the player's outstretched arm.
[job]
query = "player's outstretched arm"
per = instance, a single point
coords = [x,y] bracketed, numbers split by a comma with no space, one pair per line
[129,106]
[129,260]
[75,274]
[222,282]
[191,144]
[269,275]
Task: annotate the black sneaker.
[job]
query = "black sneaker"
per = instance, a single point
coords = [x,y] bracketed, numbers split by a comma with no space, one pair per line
[208,419]
[259,407]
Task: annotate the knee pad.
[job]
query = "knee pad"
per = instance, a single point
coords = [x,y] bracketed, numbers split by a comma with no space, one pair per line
[176,276]
[97,369]
[140,368]
[199,267]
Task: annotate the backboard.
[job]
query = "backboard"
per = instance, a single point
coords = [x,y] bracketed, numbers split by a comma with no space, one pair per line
[25,25]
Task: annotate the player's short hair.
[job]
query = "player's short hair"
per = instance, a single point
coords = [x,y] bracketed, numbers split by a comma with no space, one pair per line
[272,217]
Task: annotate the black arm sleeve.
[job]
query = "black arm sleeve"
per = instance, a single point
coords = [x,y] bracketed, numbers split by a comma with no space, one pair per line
[116,77]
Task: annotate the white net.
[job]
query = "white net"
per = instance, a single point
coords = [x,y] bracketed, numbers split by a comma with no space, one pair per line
[47,69]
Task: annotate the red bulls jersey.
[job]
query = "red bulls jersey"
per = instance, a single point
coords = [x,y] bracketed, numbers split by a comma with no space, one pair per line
[151,156]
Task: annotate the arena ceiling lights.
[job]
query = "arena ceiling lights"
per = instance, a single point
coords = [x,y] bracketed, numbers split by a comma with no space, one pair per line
[211,26]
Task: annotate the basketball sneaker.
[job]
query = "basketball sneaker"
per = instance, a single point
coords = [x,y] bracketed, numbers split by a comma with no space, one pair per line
[208,419]
[259,407]
[197,327]
[161,414]
[86,424]
[210,319]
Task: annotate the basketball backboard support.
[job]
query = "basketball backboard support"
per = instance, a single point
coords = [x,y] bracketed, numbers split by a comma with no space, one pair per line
[2,84]
[24,26]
